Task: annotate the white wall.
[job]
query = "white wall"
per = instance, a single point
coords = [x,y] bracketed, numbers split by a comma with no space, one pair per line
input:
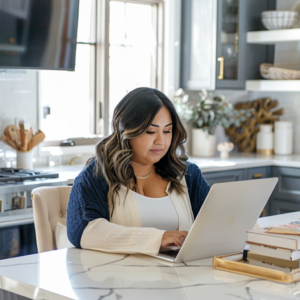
[18,100]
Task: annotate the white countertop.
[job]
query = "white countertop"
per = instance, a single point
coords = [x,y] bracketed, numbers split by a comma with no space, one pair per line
[210,164]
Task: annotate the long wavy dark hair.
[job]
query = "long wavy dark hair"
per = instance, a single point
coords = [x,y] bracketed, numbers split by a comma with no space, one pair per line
[131,119]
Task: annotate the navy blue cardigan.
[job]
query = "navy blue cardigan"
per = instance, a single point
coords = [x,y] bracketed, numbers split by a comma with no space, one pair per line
[88,198]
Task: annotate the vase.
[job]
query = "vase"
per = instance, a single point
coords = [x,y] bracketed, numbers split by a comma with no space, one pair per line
[24,159]
[203,144]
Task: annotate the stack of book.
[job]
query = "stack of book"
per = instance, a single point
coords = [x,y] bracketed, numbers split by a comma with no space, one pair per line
[276,247]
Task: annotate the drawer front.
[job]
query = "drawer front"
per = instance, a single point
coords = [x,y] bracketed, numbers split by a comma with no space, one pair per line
[257,173]
[288,186]
[279,206]
[223,176]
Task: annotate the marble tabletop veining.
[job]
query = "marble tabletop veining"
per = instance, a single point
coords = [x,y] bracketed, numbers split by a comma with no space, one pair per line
[91,275]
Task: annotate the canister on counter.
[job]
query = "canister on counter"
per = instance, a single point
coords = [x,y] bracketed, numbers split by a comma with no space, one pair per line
[283,138]
[265,139]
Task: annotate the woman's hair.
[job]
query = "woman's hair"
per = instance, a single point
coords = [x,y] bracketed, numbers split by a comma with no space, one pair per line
[131,119]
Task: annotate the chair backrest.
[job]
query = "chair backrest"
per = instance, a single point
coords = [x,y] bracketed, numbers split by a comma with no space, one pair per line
[49,207]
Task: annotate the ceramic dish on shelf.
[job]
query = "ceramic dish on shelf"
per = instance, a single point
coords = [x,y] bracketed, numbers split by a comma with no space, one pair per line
[280,72]
[279,19]
[296,8]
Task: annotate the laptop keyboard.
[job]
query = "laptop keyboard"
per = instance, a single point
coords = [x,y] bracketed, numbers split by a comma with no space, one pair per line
[172,253]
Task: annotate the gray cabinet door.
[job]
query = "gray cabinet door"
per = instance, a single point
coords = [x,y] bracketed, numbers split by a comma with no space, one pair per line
[279,206]
[240,60]
[288,186]
[257,173]
[223,176]
[198,44]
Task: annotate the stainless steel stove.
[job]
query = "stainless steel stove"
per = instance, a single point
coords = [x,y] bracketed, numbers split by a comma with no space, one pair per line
[17,233]
[16,186]
[16,175]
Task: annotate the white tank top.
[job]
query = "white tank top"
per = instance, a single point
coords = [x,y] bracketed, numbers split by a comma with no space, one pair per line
[157,212]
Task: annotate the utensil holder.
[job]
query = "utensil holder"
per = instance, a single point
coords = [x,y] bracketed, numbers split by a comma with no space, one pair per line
[24,159]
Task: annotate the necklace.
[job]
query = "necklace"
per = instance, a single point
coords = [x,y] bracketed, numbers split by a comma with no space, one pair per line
[145,176]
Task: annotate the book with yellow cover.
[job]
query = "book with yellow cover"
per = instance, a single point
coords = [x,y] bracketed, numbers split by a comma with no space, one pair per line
[292,227]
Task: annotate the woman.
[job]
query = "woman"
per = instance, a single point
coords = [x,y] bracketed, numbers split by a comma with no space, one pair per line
[139,193]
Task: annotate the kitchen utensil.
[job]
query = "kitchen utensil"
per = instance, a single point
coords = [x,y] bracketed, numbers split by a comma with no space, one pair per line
[12,131]
[276,19]
[296,8]
[28,137]
[8,141]
[280,72]
[37,138]
[22,135]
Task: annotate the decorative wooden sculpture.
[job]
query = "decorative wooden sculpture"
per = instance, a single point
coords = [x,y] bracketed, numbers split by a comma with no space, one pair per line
[245,135]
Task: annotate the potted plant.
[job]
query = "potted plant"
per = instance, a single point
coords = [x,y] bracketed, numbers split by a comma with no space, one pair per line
[205,113]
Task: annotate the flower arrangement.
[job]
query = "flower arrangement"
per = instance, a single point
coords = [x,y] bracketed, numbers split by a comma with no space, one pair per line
[207,112]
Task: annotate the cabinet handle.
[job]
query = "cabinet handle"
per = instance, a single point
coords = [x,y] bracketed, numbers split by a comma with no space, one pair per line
[221,60]
[258,175]
[264,212]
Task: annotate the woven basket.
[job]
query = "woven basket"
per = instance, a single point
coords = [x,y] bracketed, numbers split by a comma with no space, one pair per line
[280,72]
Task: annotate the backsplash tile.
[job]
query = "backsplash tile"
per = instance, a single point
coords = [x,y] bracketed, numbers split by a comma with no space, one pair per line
[290,101]
[18,99]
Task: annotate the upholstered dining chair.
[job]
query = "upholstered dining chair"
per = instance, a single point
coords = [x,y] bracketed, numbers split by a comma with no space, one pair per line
[49,208]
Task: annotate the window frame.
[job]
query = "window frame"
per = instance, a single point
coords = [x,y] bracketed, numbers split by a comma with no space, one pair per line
[100,84]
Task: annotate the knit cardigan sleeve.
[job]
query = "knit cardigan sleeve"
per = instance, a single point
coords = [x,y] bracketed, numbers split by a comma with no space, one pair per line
[87,202]
[197,186]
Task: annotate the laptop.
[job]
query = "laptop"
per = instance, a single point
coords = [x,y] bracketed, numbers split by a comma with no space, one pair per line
[229,210]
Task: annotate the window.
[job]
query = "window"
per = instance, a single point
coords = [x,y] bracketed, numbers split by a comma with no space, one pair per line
[133,49]
[119,48]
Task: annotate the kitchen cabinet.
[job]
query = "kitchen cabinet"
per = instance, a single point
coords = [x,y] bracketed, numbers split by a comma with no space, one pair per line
[279,206]
[286,196]
[288,187]
[258,173]
[215,53]
[241,174]
[224,176]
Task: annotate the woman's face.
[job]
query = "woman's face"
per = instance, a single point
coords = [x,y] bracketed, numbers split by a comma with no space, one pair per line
[155,143]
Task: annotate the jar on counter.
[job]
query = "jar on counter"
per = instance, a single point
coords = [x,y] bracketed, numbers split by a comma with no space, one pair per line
[283,138]
[264,139]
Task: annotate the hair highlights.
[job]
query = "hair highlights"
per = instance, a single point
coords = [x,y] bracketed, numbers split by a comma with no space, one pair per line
[131,119]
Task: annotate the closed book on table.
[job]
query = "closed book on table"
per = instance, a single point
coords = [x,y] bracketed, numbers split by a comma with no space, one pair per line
[237,264]
[292,227]
[262,236]
[282,263]
[275,252]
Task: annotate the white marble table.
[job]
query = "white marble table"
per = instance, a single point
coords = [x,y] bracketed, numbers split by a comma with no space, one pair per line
[83,274]
[91,275]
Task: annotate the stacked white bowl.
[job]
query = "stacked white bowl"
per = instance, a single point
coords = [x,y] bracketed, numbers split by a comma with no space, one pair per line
[278,19]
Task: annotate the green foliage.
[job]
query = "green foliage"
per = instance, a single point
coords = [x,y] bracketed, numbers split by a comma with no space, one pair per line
[208,113]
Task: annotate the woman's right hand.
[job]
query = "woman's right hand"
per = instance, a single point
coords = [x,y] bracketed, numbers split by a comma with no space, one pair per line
[173,238]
